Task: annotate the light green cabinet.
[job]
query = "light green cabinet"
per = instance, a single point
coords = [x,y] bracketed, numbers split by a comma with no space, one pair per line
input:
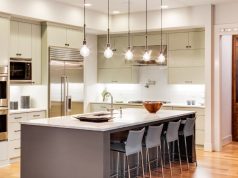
[64,37]
[186,75]
[4,45]
[153,39]
[187,40]
[36,54]
[20,39]
[118,75]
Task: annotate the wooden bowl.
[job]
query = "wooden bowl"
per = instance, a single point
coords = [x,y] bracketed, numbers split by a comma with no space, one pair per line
[152,106]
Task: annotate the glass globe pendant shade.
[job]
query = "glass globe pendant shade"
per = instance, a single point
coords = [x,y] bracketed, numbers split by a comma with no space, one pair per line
[108,53]
[161,58]
[84,51]
[146,56]
[129,54]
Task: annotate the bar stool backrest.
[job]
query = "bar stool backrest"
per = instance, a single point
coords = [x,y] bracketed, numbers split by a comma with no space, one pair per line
[189,127]
[134,142]
[172,131]
[153,137]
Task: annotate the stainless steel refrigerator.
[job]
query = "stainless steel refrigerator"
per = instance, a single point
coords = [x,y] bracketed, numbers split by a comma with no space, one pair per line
[65,81]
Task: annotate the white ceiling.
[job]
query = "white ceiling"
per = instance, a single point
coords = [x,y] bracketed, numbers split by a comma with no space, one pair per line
[139,5]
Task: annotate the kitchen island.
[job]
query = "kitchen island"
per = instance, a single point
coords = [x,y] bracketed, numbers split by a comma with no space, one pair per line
[66,147]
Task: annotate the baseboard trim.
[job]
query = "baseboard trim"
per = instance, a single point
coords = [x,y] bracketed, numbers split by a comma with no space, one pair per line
[226,140]
[208,147]
[4,163]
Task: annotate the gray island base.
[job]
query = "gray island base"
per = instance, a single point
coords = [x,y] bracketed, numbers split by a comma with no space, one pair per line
[65,147]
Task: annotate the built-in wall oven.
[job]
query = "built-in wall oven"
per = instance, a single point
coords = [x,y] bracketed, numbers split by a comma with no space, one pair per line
[3,86]
[3,124]
[20,70]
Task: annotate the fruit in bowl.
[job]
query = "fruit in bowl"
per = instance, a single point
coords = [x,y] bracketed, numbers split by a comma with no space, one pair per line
[152,106]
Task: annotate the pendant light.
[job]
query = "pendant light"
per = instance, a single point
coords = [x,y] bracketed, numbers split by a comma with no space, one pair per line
[129,54]
[84,51]
[147,54]
[108,53]
[161,58]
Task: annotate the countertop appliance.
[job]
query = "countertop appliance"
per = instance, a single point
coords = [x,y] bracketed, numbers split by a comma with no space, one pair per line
[3,124]
[3,86]
[66,73]
[20,70]
[25,102]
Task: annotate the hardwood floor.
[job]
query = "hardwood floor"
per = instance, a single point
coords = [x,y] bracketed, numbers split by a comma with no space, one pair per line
[210,165]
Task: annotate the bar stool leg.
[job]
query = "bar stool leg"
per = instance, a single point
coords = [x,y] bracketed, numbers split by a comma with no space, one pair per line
[138,164]
[186,150]
[118,158]
[142,164]
[157,156]
[170,164]
[128,167]
[148,160]
[161,160]
[124,166]
[179,156]
[195,150]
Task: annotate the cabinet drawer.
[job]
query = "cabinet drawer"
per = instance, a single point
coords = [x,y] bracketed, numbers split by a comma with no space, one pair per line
[36,115]
[14,148]
[3,151]
[199,137]
[17,117]
[14,131]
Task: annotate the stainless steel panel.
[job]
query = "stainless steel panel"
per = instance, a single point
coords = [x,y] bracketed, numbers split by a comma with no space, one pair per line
[3,70]
[3,102]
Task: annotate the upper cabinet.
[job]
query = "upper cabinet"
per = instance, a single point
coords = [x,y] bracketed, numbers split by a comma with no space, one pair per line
[187,40]
[4,45]
[153,39]
[21,46]
[64,37]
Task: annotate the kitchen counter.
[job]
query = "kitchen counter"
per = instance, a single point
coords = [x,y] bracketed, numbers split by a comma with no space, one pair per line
[66,147]
[26,110]
[168,104]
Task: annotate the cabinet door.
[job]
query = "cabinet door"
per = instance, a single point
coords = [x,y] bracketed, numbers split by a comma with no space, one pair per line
[57,36]
[197,40]
[178,41]
[102,42]
[74,38]
[14,39]
[36,54]
[138,40]
[24,44]
[3,151]
[156,39]
[186,75]
[36,115]
[4,45]
[121,75]
[186,58]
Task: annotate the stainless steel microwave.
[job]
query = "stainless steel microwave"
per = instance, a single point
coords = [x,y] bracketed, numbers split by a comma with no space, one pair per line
[20,70]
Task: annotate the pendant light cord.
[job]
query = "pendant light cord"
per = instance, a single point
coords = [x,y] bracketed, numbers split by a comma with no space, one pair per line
[84,26]
[108,30]
[146,24]
[161,27]
[129,24]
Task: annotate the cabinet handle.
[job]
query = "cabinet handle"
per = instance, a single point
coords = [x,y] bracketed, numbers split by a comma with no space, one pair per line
[17,148]
[17,131]
[36,115]
[188,81]
[66,44]
[18,118]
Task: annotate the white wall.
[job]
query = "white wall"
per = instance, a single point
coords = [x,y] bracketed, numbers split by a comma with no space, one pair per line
[51,11]
[38,94]
[162,91]
[226,89]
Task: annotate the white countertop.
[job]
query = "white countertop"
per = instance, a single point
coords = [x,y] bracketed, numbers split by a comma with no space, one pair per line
[26,110]
[130,117]
[169,104]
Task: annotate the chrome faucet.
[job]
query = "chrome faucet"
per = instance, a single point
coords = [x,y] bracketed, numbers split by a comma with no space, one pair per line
[104,97]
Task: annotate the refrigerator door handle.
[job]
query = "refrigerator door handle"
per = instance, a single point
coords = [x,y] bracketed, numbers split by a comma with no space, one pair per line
[68,98]
[63,96]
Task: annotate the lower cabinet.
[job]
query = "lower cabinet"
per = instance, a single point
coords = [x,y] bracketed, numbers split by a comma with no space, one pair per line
[14,130]
[200,115]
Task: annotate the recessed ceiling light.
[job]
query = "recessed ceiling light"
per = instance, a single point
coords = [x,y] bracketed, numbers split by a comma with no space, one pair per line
[88,5]
[164,7]
[116,12]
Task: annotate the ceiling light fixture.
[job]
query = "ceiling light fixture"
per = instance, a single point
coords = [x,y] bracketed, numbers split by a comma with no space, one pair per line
[164,7]
[129,54]
[108,53]
[161,58]
[116,12]
[84,51]
[88,5]
[147,54]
